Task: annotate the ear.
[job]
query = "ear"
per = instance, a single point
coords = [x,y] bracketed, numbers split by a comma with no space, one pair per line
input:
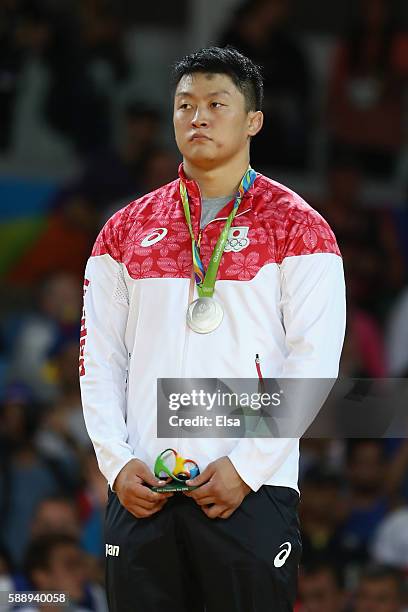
[255,122]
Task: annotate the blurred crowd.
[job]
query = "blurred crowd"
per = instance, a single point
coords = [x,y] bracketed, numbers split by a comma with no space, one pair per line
[346,131]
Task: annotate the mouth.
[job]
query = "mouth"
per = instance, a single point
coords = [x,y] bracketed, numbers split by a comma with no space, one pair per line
[199,137]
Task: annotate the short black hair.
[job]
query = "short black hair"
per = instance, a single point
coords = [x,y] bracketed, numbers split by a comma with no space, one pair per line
[38,555]
[355,443]
[246,75]
[382,571]
[323,564]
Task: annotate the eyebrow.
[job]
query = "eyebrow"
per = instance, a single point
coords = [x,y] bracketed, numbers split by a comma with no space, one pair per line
[210,95]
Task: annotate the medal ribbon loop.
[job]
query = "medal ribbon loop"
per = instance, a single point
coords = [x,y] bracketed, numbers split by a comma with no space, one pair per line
[205,280]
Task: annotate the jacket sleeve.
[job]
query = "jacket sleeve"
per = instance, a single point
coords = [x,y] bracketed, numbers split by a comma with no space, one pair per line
[103,355]
[313,316]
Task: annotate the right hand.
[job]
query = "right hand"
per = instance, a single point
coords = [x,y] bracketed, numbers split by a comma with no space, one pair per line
[134,495]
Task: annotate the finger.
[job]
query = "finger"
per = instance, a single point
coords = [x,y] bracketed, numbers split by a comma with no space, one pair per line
[140,510]
[205,489]
[142,513]
[148,477]
[160,500]
[227,513]
[140,491]
[203,477]
[206,501]
[142,503]
[213,511]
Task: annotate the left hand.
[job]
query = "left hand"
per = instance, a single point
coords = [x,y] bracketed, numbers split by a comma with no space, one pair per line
[222,489]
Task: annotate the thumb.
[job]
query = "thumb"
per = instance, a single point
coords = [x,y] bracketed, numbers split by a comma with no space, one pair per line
[147,476]
[203,477]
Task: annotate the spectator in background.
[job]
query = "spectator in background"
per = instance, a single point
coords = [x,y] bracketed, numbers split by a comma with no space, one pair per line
[65,417]
[115,174]
[103,32]
[374,266]
[54,562]
[365,503]
[321,588]
[78,517]
[36,333]
[26,477]
[77,57]
[366,89]
[159,168]
[381,589]
[260,30]
[109,179]
[390,544]
[92,500]
[52,35]
[368,239]
[319,515]
[56,514]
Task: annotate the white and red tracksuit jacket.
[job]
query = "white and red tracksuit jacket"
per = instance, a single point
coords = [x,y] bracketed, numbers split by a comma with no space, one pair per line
[283,296]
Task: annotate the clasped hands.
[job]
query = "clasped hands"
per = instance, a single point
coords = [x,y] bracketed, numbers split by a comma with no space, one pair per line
[221,492]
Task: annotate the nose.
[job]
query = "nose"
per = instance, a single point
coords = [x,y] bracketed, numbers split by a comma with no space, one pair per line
[199,118]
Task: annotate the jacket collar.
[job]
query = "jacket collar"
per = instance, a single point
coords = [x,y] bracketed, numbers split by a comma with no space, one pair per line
[193,191]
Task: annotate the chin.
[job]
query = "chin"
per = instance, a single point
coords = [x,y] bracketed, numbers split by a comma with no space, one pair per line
[201,161]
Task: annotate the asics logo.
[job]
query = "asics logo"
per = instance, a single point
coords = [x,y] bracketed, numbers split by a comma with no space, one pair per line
[155,236]
[281,557]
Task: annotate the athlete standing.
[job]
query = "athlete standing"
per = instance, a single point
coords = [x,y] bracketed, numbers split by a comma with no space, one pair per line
[159,304]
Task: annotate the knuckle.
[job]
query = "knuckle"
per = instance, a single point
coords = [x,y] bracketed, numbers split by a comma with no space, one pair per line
[216,489]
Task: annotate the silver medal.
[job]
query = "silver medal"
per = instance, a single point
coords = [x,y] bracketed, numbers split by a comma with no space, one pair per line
[204,315]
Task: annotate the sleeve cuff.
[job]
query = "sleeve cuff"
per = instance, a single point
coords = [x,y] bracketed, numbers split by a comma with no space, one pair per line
[113,473]
[245,469]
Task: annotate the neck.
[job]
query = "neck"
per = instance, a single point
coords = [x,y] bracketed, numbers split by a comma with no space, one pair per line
[217,182]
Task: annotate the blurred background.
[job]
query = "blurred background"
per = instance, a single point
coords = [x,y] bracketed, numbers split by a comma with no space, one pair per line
[85,127]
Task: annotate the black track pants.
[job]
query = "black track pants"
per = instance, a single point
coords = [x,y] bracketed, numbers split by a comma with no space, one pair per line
[179,560]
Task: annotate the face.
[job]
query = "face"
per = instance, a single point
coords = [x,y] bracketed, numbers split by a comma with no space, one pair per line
[211,123]
[319,593]
[367,468]
[379,595]
[318,502]
[55,517]
[66,572]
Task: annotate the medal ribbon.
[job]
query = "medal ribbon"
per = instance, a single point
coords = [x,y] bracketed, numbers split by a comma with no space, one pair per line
[205,281]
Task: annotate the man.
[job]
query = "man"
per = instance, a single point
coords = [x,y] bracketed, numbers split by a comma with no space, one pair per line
[233,543]
[54,562]
[321,588]
[381,589]
[56,515]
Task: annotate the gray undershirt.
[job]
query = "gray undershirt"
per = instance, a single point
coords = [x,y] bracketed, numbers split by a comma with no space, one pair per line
[210,208]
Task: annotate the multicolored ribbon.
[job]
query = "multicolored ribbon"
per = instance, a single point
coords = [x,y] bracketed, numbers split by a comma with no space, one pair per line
[205,281]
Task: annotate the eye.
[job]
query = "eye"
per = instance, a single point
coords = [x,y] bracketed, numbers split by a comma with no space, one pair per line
[184,106]
[216,104]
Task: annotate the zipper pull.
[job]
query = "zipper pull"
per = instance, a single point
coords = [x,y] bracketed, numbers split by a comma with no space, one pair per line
[258,370]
